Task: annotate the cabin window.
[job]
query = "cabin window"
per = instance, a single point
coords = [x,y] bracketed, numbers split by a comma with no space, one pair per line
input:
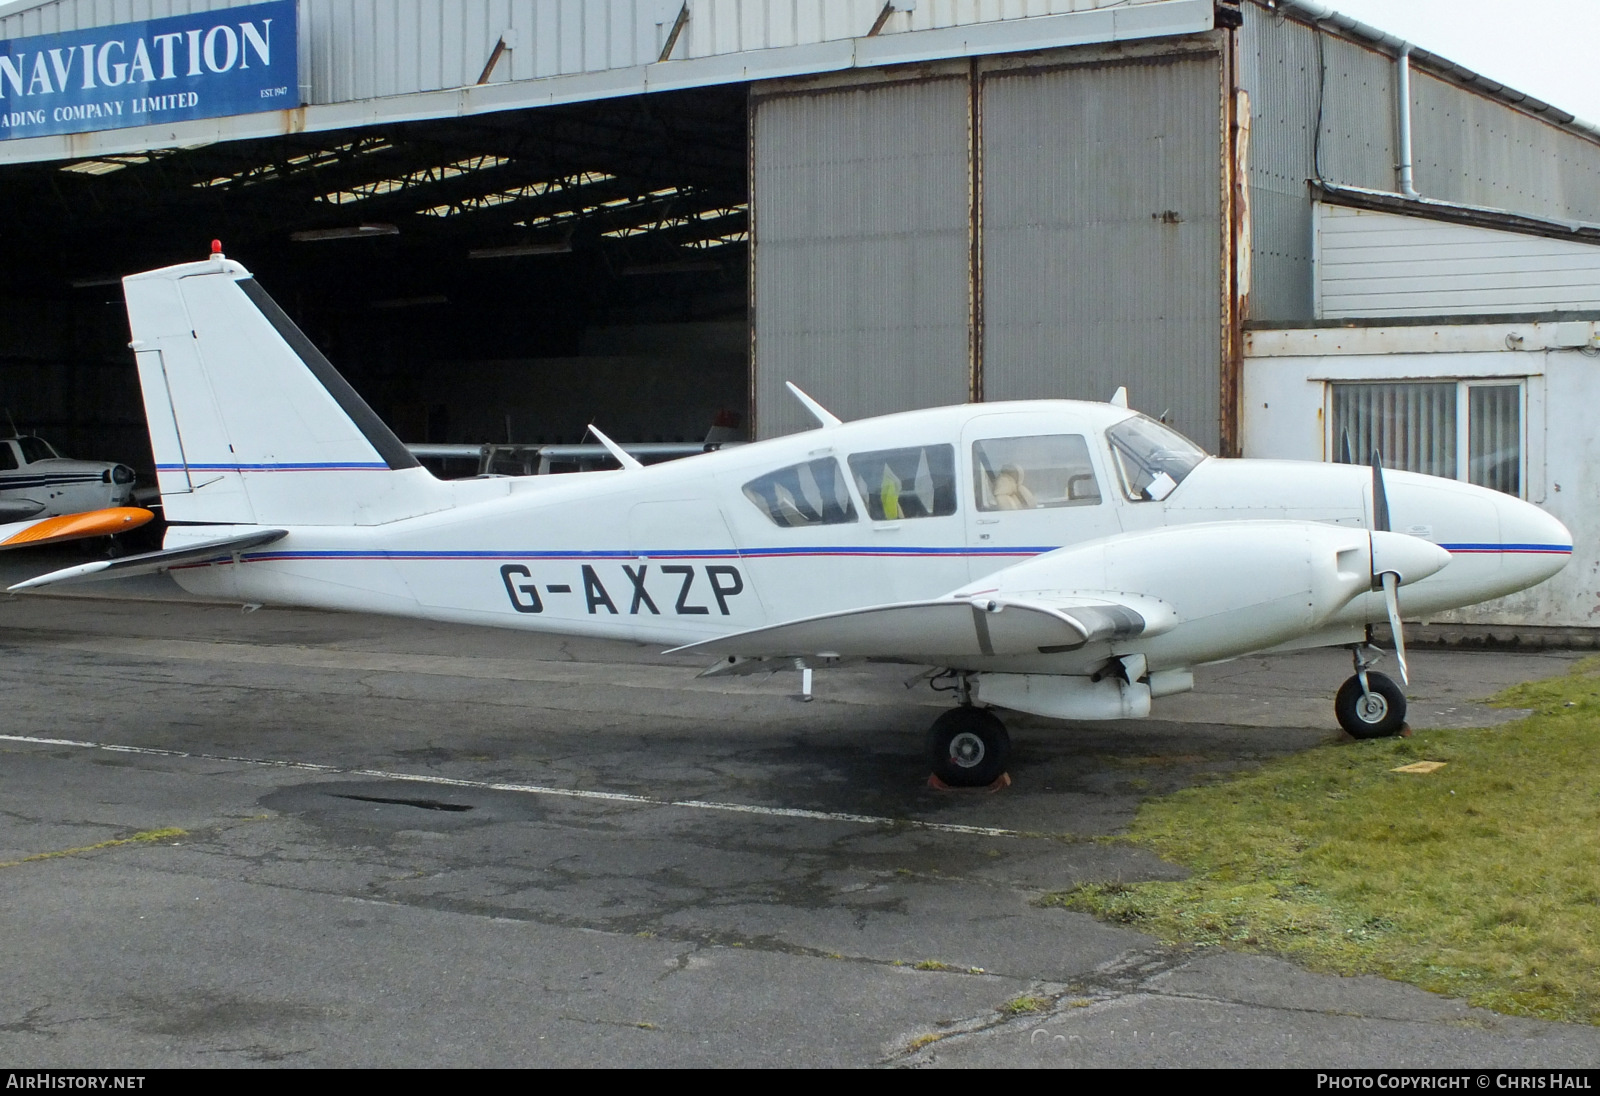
[36,449]
[1033,473]
[1151,458]
[919,482]
[1465,430]
[813,493]
[8,459]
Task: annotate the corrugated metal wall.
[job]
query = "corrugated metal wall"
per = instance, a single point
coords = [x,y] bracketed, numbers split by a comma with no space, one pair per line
[368,48]
[361,49]
[1358,137]
[860,202]
[1479,152]
[1384,264]
[1102,236]
[1278,64]
[1466,148]
[1296,84]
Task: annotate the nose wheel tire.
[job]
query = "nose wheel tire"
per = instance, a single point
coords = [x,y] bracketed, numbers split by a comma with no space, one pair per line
[1379,713]
[968,747]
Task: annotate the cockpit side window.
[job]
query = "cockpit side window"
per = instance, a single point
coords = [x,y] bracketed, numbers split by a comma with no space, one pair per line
[8,457]
[1033,473]
[1152,459]
[813,493]
[36,449]
[919,482]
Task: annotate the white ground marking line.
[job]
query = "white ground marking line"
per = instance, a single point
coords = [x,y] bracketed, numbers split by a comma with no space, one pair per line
[538,789]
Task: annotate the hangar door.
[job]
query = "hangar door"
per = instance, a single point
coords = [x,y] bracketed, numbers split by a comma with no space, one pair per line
[860,207]
[995,231]
[1102,236]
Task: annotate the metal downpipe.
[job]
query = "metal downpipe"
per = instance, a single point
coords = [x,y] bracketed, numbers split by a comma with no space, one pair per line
[1403,102]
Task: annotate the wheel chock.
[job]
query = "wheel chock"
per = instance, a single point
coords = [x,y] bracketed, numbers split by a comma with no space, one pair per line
[1001,782]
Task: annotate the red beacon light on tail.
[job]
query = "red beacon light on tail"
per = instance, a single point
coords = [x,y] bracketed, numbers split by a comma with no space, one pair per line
[216,249]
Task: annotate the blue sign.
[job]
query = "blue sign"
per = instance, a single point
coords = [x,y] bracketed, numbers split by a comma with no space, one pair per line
[206,65]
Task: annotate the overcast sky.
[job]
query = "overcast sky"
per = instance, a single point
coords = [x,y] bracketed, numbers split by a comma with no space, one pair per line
[1547,48]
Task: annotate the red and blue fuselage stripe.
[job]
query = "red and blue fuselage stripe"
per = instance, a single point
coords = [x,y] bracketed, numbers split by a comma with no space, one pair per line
[840,551]
[665,554]
[319,466]
[1509,549]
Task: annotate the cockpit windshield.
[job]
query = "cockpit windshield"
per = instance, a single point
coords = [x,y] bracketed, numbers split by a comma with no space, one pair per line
[1151,458]
[36,449]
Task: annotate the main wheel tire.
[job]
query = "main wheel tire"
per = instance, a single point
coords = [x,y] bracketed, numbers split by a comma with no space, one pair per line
[968,747]
[1379,715]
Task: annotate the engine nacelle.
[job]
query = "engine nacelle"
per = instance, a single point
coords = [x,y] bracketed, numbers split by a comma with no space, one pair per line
[1228,587]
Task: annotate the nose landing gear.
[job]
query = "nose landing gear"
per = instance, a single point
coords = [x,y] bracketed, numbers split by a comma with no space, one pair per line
[1369,705]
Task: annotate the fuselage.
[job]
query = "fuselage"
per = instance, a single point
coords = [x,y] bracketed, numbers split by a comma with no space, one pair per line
[902,508]
[36,481]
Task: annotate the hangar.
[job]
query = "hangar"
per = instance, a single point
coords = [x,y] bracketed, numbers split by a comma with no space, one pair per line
[503,219]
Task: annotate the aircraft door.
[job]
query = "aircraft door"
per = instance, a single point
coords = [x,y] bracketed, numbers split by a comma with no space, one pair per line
[1034,484]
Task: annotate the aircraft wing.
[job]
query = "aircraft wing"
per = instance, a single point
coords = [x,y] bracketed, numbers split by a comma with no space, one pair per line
[937,631]
[194,552]
[94,523]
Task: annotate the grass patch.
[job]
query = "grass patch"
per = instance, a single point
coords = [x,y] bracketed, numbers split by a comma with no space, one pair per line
[1479,880]
[1019,1005]
[143,837]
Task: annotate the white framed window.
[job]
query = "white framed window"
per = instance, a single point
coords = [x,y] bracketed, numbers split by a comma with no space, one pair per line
[919,482]
[1466,429]
[812,493]
[1036,472]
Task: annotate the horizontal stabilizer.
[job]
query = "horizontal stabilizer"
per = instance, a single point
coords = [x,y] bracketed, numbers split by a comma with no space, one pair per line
[935,631]
[197,552]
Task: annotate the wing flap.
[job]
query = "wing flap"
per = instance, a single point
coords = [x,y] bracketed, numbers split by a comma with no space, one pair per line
[936,632]
[194,552]
[915,631]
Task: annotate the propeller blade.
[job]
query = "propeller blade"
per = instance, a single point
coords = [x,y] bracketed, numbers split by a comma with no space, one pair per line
[1391,601]
[1345,456]
[1380,497]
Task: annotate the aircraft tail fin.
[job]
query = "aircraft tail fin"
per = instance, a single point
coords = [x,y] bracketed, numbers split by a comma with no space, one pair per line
[249,423]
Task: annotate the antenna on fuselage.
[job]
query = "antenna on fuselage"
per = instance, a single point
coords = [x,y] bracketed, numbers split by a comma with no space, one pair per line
[1119,398]
[823,416]
[624,458]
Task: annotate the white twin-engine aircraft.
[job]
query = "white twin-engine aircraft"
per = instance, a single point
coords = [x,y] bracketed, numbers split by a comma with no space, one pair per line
[1073,560]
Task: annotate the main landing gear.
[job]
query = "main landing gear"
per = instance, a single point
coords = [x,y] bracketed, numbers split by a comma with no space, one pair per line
[1369,705]
[968,747]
